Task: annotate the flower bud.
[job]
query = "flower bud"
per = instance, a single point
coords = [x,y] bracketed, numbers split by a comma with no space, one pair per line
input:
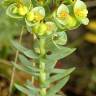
[51,27]
[40,29]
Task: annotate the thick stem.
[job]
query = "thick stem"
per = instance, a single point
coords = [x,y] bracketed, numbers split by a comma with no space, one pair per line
[42,67]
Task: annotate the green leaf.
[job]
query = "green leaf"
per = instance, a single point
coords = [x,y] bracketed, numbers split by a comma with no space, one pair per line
[24,60]
[59,74]
[56,55]
[56,88]
[27,52]
[22,89]
[65,71]
[30,91]
[26,63]
[32,88]
[60,38]
[26,69]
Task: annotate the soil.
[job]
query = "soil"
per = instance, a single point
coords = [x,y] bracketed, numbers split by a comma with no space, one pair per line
[4,83]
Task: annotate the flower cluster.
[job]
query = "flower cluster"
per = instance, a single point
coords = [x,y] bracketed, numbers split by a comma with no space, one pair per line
[71,16]
[65,17]
[48,20]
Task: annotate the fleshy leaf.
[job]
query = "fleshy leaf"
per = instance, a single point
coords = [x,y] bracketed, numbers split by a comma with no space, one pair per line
[60,38]
[54,89]
[27,52]
[25,62]
[56,55]
[59,76]
[30,91]
[28,70]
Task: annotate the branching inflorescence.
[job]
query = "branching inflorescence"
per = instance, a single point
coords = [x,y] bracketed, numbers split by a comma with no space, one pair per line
[47,21]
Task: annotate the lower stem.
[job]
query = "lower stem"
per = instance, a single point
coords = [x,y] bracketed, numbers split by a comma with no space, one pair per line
[42,76]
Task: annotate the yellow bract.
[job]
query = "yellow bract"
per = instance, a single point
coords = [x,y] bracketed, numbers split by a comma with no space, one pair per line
[38,16]
[62,15]
[71,22]
[22,10]
[30,16]
[81,12]
[51,27]
[40,29]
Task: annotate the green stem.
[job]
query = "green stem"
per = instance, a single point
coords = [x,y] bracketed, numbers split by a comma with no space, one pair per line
[42,67]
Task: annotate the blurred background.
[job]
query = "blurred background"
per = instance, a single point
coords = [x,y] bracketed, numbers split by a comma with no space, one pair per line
[83,79]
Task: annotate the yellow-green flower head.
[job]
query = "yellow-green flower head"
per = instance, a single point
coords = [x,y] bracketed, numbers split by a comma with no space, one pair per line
[80,11]
[63,19]
[40,28]
[62,14]
[22,10]
[51,27]
[71,22]
[46,28]
[17,10]
[37,14]
[30,16]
